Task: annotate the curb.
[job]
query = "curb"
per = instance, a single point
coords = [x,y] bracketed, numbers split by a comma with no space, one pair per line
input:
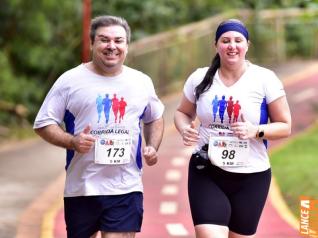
[275,194]
[278,202]
[38,219]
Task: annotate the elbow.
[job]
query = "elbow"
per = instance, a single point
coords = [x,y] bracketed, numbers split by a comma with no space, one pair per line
[283,131]
[37,130]
[288,130]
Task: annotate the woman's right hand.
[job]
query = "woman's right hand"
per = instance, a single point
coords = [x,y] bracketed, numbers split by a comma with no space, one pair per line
[190,135]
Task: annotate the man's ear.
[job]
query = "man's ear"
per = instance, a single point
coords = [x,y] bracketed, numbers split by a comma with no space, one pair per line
[91,44]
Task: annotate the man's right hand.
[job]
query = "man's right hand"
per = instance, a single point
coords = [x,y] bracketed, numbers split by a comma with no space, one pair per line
[84,141]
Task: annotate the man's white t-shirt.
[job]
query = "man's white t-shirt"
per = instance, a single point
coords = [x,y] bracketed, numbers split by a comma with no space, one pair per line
[114,108]
[220,106]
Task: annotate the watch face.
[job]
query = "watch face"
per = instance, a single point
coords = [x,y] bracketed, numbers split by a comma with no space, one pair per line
[261,134]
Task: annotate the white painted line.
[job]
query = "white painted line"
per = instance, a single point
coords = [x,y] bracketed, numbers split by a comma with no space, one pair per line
[168,208]
[177,229]
[304,95]
[179,161]
[169,189]
[173,175]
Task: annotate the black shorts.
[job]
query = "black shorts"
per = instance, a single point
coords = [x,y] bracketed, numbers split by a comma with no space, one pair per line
[86,215]
[235,200]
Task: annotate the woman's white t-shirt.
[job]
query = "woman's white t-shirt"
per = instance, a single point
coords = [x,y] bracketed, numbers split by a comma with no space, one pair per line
[220,106]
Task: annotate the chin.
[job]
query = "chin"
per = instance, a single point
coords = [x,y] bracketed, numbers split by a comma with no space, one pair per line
[232,62]
[110,64]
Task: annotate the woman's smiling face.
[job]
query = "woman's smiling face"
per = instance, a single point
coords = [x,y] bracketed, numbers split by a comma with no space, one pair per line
[232,47]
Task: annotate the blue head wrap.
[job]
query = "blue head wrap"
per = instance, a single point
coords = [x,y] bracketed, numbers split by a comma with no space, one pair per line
[231,26]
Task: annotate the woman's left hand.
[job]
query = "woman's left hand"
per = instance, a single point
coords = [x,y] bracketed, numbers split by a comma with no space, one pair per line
[244,129]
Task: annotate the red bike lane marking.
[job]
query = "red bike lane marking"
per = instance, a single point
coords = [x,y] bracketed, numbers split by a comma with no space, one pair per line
[155,224]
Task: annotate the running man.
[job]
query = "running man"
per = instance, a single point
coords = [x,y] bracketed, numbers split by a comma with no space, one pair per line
[230,108]
[103,188]
[115,106]
[99,106]
[107,102]
[236,110]
[222,107]
[215,106]
[122,107]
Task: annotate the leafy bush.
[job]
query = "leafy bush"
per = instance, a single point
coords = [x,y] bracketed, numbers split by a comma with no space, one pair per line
[40,39]
[301,40]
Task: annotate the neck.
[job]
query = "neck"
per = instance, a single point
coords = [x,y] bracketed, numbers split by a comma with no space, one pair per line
[104,71]
[232,73]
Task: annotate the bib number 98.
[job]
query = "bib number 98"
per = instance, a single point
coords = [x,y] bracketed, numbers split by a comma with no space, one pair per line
[228,154]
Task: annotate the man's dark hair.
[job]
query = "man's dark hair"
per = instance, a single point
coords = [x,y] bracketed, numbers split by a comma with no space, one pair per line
[102,21]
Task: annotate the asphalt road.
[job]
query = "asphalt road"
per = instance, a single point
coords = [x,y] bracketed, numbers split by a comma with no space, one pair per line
[26,169]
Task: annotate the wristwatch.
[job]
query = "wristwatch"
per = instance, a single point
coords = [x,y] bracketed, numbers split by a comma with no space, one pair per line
[260,133]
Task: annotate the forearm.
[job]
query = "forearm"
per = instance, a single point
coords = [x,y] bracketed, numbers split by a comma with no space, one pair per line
[153,133]
[182,120]
[275,130]
[55,135]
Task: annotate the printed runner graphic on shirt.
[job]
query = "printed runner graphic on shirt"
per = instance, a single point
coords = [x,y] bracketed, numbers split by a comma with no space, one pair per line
[104,105]
[225,149]
[220,106]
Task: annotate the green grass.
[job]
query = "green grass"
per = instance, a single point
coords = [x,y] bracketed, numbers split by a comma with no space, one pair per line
[22,132]
[295,167]
[17,133]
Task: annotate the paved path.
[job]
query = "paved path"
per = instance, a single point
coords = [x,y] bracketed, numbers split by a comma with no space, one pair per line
[31,194]
[167,212]
[26,168]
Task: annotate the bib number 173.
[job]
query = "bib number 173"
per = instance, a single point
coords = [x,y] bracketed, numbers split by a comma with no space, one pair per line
[112,150]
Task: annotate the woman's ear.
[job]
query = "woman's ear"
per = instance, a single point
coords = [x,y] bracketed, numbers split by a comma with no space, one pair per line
[215,47]
[248,45]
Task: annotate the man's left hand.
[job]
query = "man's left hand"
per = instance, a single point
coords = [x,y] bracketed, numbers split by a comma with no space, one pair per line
[150,155]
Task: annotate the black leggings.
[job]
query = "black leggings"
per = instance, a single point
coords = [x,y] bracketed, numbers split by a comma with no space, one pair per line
[235,200]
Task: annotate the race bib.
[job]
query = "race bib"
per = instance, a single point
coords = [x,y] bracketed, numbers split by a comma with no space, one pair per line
[113,150]
[228,151]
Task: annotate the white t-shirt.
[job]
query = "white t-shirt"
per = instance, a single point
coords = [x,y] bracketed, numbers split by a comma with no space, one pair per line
[218,107]
[113,107]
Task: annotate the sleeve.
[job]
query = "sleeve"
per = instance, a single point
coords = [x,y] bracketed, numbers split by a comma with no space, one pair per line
[154,109]
[53,108]
[274,88]
[192,81]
